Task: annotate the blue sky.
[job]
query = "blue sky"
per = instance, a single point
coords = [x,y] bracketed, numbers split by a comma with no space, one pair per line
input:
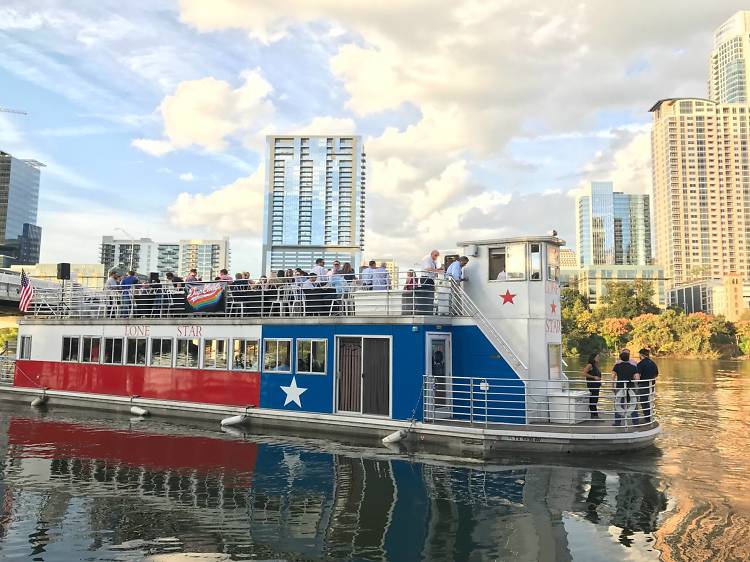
[481,119]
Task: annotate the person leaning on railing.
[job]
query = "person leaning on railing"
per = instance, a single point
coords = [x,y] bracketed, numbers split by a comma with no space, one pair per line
[624,375]
[648,371]
[426,292]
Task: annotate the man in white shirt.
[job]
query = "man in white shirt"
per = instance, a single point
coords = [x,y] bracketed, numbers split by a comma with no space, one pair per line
[366,275]
[425,296]
[320,271]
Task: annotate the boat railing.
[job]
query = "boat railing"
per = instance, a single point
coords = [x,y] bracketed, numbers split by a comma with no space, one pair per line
[7,368]
[462,305]
[565,404]
[420,294]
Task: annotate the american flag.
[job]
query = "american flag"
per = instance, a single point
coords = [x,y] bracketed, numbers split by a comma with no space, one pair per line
[27,291]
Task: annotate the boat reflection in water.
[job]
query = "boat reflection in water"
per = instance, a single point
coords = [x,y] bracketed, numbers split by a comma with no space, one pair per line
[73,489]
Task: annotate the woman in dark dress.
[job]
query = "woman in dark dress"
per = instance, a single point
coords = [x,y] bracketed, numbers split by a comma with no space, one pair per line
[593,375]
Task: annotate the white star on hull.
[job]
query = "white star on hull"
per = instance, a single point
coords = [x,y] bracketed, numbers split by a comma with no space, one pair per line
[293,392]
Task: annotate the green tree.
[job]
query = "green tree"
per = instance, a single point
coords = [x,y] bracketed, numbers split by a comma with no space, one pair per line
[743,336]
[628,300]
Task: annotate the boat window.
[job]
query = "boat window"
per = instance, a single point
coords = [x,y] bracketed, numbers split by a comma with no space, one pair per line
[161,352]
[311,356]
[277,356]
[135,351]
[70,348]
[91,349]
[24,351]
[245,355]
[214,354]
[113,351]
[187,353]
[508,262]
[536,261]
[554,352]
[553,263]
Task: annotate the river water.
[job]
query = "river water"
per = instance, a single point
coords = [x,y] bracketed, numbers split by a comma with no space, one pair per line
[84,486]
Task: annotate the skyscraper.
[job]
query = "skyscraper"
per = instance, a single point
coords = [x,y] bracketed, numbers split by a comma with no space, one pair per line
[20,237]
[124,254]
[701,175]
[314,201]
[207,256]
[730,61]
[613,228]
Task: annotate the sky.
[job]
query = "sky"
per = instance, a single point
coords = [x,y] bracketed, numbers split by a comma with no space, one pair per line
[480,118]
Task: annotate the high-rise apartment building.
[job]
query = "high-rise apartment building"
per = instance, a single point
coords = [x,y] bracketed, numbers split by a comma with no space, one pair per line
[207,256]
[701,177]
[20,237]
[142,255]
[314,201]
[125,254]
[613,228]
[729,73]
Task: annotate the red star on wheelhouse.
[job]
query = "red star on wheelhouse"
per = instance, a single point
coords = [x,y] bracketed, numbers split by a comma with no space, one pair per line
[553,306]
[508,297]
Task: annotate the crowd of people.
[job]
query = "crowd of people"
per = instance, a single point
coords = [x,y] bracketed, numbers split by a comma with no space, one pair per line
[320,290]
[633,383]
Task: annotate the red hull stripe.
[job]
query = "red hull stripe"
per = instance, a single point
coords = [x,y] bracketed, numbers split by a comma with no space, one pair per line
[231,388]
[57,440]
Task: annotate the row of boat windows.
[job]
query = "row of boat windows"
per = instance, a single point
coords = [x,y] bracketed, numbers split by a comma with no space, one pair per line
[204,353]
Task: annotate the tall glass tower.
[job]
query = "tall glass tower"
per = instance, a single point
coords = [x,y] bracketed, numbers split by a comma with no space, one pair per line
[20,238]
[314,201]
[613,228]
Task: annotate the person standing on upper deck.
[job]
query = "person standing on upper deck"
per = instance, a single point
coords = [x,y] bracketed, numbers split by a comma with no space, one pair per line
[127,291]
[425,298]
[192,276]
[456,269]
[365,275]
[320,272]
[380,277]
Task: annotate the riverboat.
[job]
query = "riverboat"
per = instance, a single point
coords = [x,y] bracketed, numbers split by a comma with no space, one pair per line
[473,368]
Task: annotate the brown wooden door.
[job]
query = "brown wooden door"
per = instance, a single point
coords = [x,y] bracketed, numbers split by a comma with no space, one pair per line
[349,374]
[376,376]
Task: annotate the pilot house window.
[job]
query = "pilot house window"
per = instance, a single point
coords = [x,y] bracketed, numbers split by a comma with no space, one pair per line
[508,262]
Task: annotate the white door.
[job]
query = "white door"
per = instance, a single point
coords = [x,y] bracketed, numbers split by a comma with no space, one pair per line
[439,362]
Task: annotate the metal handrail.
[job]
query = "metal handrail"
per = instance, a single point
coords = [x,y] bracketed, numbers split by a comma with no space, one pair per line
[562,404]
[301,296]
[463,305]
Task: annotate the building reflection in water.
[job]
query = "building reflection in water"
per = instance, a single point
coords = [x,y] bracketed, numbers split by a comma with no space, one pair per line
[127,489]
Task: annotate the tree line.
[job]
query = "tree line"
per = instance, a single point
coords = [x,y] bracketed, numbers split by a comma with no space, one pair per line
[628,317]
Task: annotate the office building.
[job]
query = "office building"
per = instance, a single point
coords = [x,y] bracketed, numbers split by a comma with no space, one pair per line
[592,280]
[207,256]
[92,275]
[140,255]
[729,297]
[314,201]
[701,176]
[569,268]
[729,72]
[613,228]
[20,237]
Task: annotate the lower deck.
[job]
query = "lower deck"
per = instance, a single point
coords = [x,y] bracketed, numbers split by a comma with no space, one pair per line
[444,437]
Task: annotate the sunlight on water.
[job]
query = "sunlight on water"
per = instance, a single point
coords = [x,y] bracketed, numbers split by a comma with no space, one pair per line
[78,486]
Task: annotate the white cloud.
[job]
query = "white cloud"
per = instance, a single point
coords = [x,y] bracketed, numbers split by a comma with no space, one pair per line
[208,112]
[187,176]
[154,147]
[236,208]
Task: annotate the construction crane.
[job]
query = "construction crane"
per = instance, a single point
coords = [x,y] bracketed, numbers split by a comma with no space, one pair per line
[8,110]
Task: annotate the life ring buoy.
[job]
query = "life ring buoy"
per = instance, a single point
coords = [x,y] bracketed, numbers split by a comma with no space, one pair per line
[625,401]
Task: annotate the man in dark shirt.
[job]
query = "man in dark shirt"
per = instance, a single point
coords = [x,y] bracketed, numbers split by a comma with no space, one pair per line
[648,372]
[625,374]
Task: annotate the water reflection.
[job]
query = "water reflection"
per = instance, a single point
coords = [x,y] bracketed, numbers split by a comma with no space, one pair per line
[85,489]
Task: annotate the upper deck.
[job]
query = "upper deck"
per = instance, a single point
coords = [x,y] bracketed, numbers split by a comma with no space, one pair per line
[408,298]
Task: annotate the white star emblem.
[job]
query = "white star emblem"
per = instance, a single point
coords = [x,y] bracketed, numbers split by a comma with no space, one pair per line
[293,392]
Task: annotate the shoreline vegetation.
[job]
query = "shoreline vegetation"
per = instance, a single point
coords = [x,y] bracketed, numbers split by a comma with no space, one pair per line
[627,317]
